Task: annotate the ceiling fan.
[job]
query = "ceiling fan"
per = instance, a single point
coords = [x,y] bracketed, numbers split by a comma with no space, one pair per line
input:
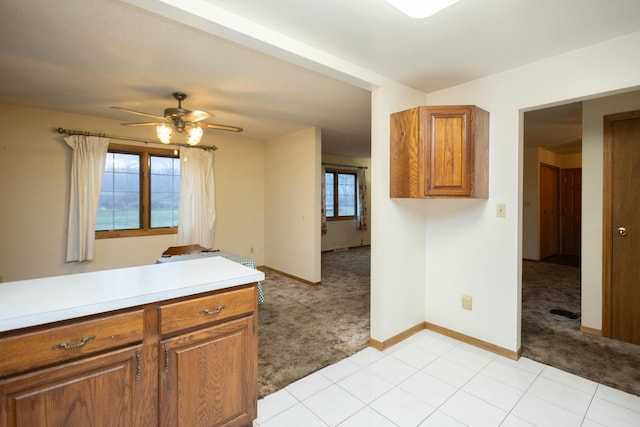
[179,120]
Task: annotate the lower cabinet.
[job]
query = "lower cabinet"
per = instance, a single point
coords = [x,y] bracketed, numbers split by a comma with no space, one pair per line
[96,391]
[189,362]
[208,377]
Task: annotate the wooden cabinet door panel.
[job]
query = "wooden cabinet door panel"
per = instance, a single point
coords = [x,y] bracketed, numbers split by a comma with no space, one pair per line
[93,392]
[449,157]
[209,377]
[406,155]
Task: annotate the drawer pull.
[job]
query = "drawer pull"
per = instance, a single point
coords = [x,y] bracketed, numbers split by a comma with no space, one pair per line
[66,346]
[210,312]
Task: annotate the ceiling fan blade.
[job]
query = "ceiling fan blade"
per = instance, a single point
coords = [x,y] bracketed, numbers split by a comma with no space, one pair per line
[140,113]
[196,116]
[221,127]
[142,124]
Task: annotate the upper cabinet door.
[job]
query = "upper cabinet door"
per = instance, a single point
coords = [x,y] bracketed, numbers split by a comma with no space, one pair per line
[440,152]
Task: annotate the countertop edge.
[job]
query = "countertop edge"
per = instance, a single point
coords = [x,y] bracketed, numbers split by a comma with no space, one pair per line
[239,275]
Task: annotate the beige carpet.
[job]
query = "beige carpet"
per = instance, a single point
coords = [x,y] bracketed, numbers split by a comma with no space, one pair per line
[556,340]
[303,328]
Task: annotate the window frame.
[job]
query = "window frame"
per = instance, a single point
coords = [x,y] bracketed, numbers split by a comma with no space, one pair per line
[336,173]
[145,154]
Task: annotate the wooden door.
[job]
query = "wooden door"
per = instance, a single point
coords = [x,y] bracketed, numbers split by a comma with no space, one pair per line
[549,210]
[571,211]
[209,376]
[96,391]
[621,240]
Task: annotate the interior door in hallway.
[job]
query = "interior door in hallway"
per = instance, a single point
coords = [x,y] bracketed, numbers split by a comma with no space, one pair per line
[621,240]
[549,210]
[571,211]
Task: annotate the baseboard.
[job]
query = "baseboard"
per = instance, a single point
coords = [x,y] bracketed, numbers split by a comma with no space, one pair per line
[382,345]
[348,247]
[590,331]
[290,276]
[515,355]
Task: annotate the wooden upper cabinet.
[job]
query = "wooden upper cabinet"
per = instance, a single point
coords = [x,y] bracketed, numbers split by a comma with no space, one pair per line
[440,152]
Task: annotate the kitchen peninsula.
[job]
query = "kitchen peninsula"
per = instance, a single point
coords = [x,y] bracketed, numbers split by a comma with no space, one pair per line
[157,345]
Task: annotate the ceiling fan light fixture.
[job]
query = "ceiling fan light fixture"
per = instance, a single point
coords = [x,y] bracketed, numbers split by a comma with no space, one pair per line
[179,120]
[419,9]
[164,133]
[195,133]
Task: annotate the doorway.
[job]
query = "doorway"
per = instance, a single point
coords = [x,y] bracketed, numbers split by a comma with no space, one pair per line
[551,279]
[621,224]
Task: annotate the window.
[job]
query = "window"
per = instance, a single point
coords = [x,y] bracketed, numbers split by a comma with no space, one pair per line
[140,192]
[340,194]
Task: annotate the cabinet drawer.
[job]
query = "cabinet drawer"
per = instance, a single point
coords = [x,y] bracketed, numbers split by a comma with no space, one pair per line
[30,350]
[200,311]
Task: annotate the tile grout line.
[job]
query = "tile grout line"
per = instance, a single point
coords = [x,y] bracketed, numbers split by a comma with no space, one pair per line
[584,418]
[522,396]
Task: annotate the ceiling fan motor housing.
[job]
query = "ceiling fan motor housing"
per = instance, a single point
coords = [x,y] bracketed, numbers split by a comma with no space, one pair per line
[175,114]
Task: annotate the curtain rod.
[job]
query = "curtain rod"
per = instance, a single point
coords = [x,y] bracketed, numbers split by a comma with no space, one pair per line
[127,138]
[344,166]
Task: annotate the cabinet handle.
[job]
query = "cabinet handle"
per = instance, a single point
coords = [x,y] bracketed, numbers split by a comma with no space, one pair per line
[210,312]
[66,346]
[138,365]
[166,358]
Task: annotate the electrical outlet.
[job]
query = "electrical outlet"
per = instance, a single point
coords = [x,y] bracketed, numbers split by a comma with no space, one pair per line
[501,210]
[467,302]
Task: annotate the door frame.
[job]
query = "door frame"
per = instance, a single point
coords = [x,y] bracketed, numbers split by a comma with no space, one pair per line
[607,206]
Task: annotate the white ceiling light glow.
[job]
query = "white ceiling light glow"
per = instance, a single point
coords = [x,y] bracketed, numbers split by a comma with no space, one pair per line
[419,9]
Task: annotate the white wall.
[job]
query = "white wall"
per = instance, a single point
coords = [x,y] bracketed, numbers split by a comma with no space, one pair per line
[292,203]
[469,250]
[344,233]
[397,228]
[593,112]
[530,204]
[34,185]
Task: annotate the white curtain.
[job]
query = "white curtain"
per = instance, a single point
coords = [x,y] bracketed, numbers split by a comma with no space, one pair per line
[323,202]
[362,200]
[197,211]
[87,171]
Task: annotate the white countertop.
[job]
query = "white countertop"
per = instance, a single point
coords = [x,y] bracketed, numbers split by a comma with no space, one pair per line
[33,302]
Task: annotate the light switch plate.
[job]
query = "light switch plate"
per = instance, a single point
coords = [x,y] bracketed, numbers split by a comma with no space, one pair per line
[467,302]
[501,210]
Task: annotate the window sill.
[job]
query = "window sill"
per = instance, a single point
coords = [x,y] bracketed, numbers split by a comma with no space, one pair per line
[135,233]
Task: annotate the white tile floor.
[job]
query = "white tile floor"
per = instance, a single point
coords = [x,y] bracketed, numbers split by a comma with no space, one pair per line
[433,380]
